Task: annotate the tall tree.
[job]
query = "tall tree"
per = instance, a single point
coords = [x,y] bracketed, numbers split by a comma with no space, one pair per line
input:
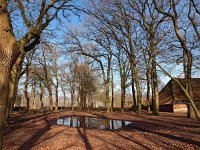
[193,14]
[124,72]
[187,55]
[27,73]
[100,52]
[86,83]
[149,20]
[43,70]
[11,48]
[119,27]
[55,53]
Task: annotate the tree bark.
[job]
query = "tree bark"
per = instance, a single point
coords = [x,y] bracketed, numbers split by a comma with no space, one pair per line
[134,68]
[137,81]
[84,100]
[154,76]
[107,82]
[13,88]
[64,103]
[50,101]
[34,95]
[9,51]
[112,100]
[41,94]
[56,94]
[26,91]
[148,89]
[107,85]
[4,80]
[123,93]
[72,101]
[133,90]
[187,71]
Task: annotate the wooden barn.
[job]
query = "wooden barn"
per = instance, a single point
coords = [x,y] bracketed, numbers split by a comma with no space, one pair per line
[173,99]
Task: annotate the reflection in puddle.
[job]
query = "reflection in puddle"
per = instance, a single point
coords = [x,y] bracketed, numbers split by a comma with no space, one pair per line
[91,122]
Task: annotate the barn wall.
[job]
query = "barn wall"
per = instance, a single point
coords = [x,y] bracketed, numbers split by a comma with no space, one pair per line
[179,94]
[166,108]
[165,95]
[180,108]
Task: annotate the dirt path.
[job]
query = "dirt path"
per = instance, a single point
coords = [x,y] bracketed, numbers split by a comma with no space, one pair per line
[38,131]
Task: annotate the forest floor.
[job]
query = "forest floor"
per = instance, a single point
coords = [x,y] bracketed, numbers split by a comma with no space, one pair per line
[40,131]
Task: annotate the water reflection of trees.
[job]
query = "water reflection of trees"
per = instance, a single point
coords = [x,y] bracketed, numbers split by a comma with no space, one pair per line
[91,122]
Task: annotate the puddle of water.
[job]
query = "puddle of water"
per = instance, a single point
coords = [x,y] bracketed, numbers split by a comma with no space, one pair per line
[93,123]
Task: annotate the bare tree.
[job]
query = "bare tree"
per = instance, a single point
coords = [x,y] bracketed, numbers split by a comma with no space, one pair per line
[55,53]
[149,20]
[68,81]
[112,90]
[86,82]
[193,14]
[124,71]
[29,58]
[187,55]
[101,53]
[43,70]
[63,84]
[120,26]
[12,49]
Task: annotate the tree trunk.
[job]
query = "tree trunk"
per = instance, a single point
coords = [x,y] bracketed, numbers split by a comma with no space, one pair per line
[85,100]
[152,90]
[41,94]
[50,99]
[187,61]
[72,101]
[112,100]
[13,84]
[107,96]
[123,93]
[137,81]
[190,112]
[56,96]
[13,87]
[107,82]
[26,91]
[4,80]
[34,95]
[9,51]
[187,71]
[135,73]
[64,103]
[148,89]
[155,99]
[81,98]
[155,94]
[133,91]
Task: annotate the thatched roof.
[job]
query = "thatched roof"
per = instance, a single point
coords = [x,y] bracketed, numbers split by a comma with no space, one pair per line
[172,92]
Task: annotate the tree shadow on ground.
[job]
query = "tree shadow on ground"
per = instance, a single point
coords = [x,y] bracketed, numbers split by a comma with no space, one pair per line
[18,125]
[108,142]
[33,139]
[169,136]
[195,123]
[21,119]
[84,138]
[131,140]
[150,127]
[88,146]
